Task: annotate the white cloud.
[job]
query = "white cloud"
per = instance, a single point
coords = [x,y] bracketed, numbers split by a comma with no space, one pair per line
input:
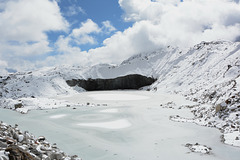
[134,9]
[3,65]
[86,28]
[63,46]
[23,27]
[74,10]
[70,55]
[82,35]
[70,58]
[24,49]
[108,27]
[24,20]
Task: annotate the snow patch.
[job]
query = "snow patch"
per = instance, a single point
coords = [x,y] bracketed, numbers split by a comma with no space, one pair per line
[22,110]
[118,124]
[232,138]
[198,148]
[58,116]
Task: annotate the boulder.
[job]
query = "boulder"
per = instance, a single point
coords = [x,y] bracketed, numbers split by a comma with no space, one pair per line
[41,138]
[19,105]
[56,156]
[220,107]
[3,145]
[35,152]
[16,153]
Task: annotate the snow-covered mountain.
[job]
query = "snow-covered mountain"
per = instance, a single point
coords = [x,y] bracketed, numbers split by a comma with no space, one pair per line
[208,72]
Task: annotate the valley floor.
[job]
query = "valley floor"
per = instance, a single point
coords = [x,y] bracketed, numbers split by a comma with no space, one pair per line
[124,125]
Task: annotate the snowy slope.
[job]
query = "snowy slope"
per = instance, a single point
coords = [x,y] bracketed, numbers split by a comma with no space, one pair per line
[205,68]
[209,73]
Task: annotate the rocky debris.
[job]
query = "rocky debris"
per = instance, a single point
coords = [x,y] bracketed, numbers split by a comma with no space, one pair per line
[225,116]
[171,105]
[198,148]
[24,105]
[28,104]
[223,111]
[177,118]
[18,145]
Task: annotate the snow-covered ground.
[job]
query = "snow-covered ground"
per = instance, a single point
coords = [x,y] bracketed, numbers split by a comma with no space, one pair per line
[125,128]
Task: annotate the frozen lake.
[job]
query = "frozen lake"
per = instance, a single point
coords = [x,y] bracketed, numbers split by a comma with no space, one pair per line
[130,125]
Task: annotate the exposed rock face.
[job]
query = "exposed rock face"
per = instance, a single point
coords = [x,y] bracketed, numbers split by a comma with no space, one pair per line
[126,82]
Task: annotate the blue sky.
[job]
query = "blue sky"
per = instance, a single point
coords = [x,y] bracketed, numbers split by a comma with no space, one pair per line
[47,33]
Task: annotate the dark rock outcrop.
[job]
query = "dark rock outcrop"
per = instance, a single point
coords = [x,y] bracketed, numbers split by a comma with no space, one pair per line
[134,81]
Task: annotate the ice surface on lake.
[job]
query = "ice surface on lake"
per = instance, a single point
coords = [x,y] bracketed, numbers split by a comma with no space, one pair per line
[149,135]
[117,97]
[114,110]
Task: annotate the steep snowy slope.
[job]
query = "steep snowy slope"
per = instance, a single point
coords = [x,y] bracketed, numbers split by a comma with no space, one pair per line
[206,68]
